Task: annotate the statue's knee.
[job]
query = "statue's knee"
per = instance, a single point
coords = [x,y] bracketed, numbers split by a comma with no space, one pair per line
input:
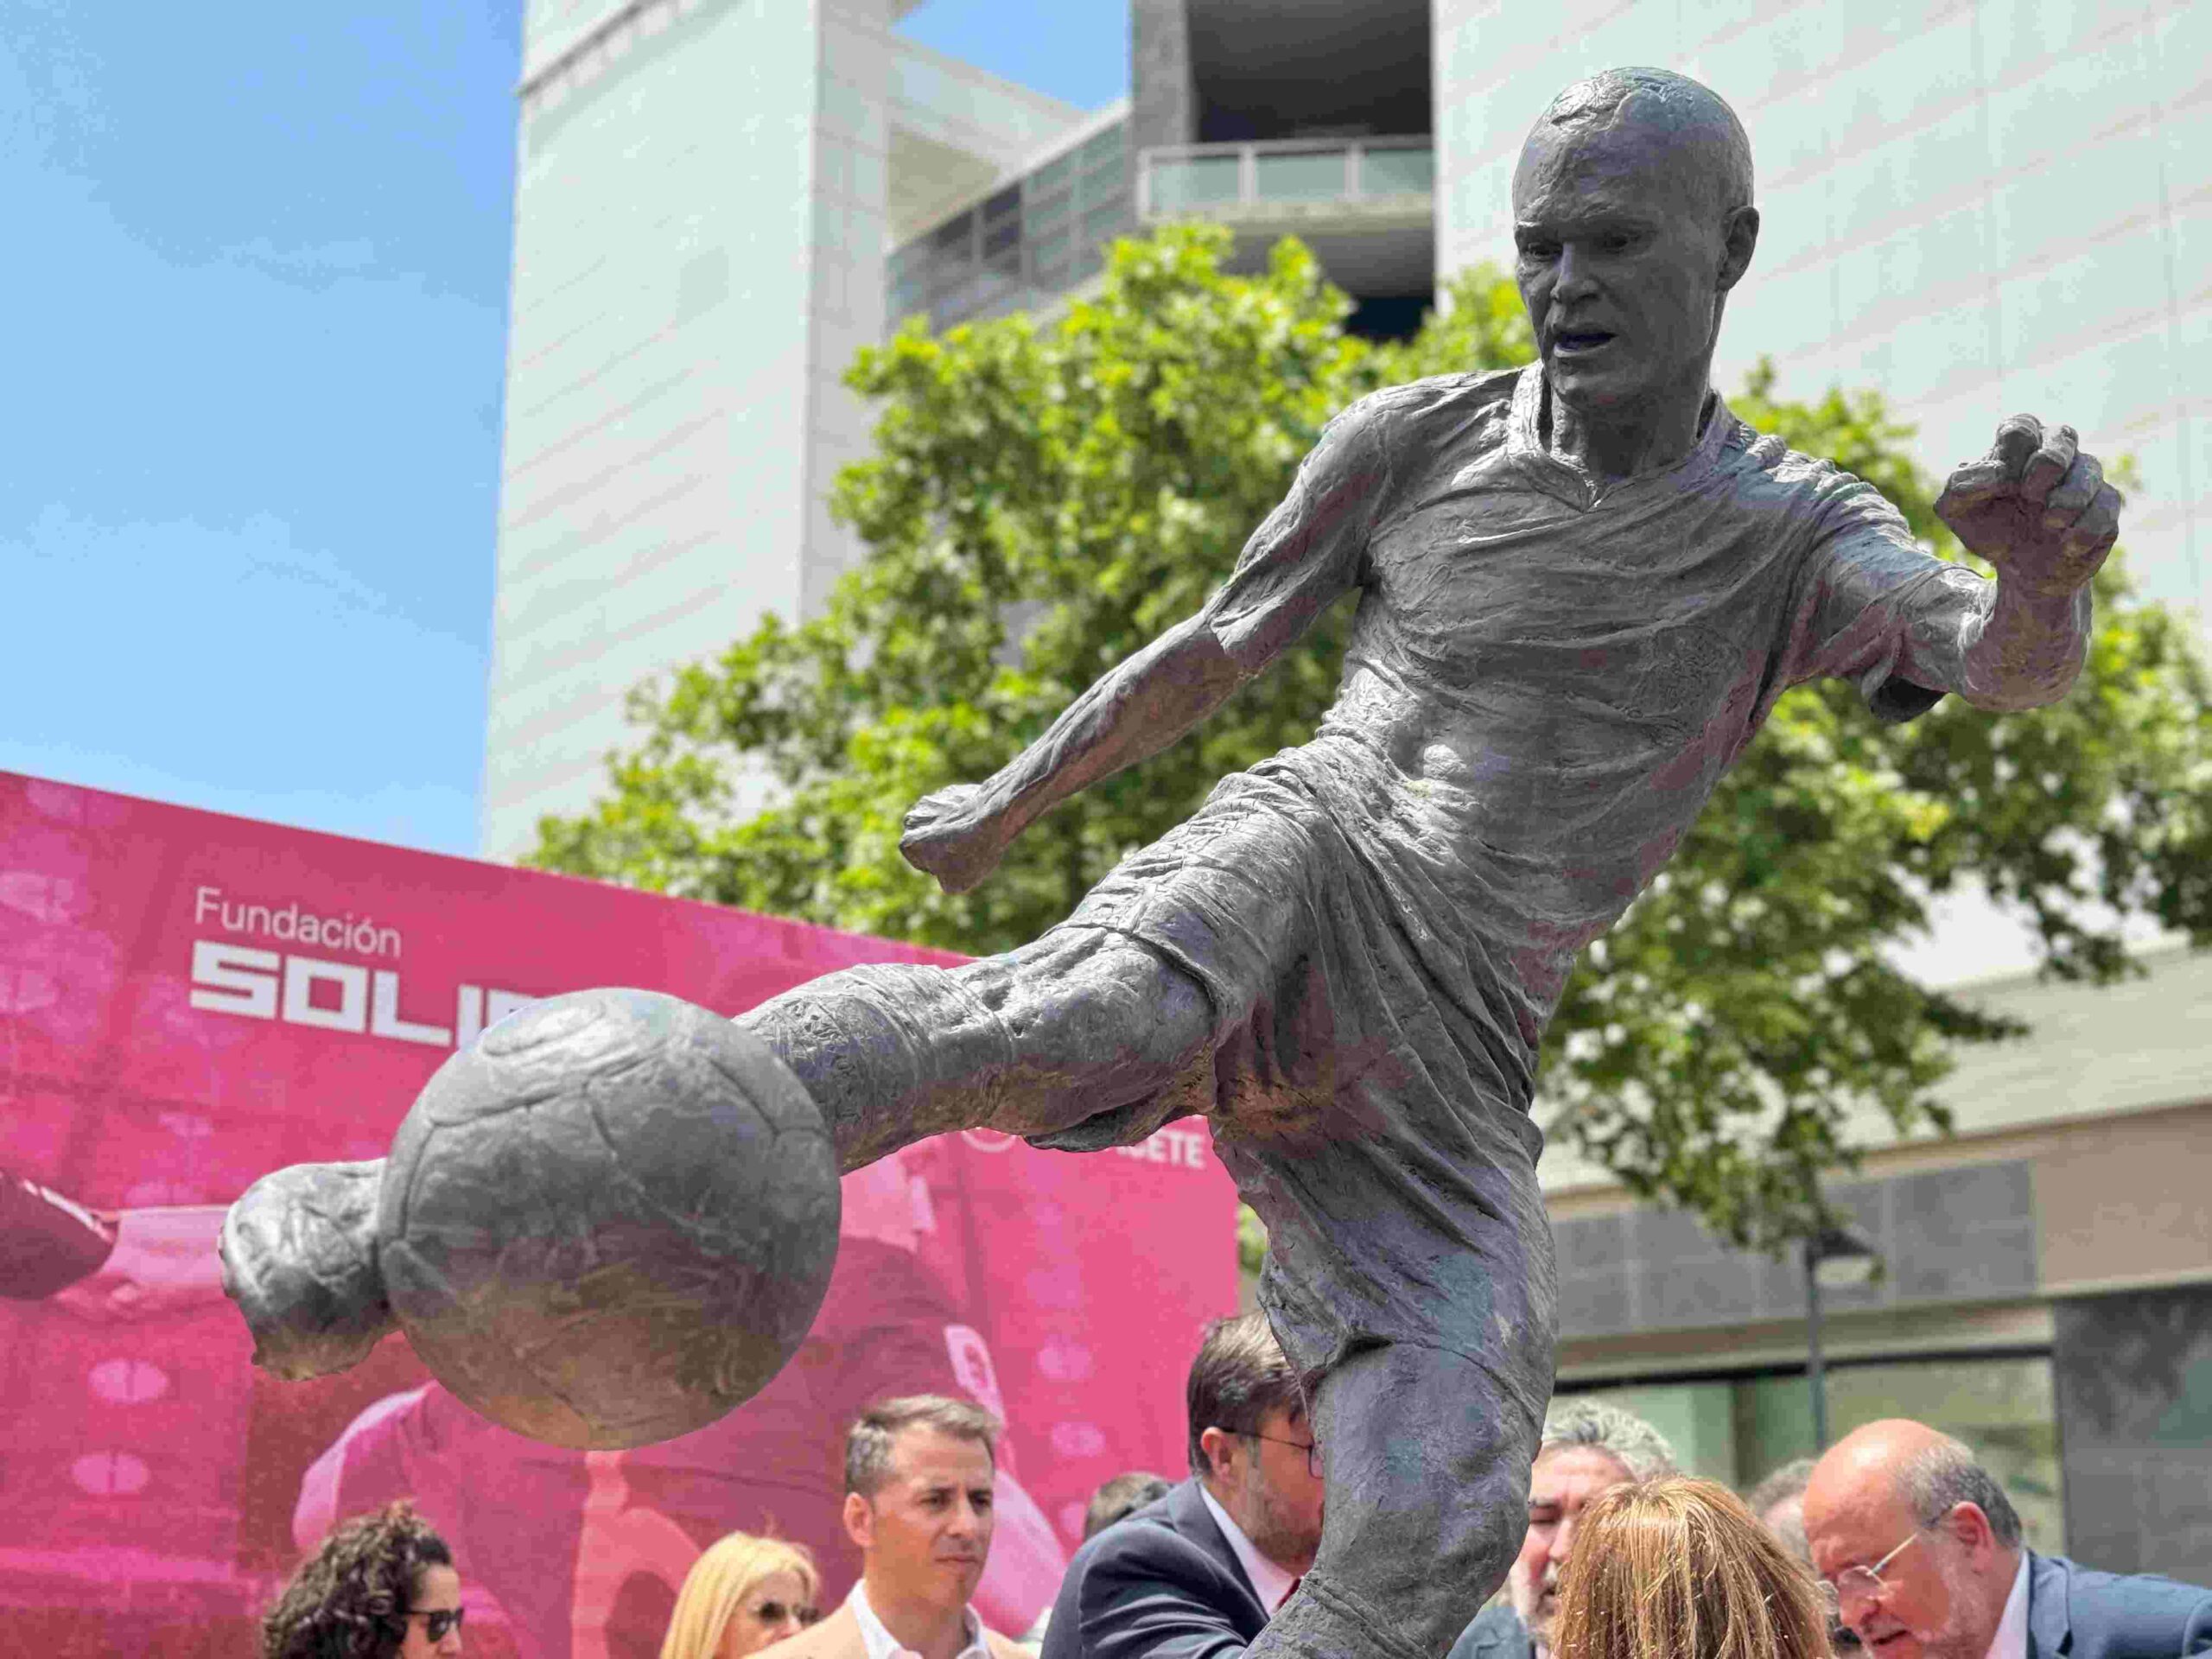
[1482,1536]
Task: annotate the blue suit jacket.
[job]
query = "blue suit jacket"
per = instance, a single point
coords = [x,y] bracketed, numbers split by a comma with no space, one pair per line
[2078,1613]
[1160,1584]
[1496,1632]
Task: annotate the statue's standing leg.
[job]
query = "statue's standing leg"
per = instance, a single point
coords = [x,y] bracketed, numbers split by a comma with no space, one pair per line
[1082,1025]
[1427,1425]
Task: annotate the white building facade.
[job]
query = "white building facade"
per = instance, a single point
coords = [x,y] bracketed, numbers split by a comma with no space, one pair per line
[706,193]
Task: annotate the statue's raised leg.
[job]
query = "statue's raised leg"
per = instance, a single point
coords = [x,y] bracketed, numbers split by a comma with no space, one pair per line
[1081,1039]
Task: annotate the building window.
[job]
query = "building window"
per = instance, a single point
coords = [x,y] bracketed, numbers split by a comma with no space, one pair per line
[1737,1430]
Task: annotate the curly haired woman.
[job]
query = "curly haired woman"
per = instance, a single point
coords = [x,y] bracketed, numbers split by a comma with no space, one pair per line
[382,1587]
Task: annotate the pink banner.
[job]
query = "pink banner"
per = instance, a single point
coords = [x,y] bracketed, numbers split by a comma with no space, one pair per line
[189,1001]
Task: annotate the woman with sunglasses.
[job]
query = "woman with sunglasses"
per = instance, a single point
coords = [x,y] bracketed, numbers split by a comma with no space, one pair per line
[743,1594]
[382,1587]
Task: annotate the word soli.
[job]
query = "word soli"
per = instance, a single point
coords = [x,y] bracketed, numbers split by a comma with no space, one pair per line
[302,990]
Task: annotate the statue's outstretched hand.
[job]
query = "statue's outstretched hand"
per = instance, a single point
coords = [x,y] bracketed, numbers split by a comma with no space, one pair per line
[2036,506]
[950,835]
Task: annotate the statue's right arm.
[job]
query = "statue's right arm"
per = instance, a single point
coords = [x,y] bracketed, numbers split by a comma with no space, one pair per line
[1309,551]
[1138,707]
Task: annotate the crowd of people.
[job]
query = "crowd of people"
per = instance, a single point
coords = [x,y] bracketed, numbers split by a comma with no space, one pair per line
[1896,1541]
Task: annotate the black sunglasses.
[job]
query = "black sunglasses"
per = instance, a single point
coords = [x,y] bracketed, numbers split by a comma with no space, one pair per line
[775,1613]
[436,1623]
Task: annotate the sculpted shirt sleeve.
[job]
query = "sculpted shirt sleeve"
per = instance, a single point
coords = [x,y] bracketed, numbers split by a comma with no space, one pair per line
[1312,549]
[1882,612]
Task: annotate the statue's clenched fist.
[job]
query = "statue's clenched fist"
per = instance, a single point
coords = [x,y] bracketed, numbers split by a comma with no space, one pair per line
[949,835]
[2036,507]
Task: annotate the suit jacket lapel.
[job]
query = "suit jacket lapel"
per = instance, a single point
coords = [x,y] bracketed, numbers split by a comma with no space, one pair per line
[2050,1627]
[1187,1514]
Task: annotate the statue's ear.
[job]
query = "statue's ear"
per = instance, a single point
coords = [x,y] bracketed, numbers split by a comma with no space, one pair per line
[1739,236]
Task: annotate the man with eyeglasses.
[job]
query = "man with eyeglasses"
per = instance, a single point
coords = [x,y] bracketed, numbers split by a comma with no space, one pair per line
[1921,1552]
[1200,1572]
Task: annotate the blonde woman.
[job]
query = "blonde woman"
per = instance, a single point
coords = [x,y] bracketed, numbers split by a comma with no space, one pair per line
[744,1594]
[1677,1569]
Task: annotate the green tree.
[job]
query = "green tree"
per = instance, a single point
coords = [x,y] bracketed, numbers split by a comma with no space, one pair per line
[1045,497]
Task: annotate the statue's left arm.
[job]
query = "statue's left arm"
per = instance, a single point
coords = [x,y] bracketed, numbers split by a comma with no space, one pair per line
[2037,508]
[1909,628]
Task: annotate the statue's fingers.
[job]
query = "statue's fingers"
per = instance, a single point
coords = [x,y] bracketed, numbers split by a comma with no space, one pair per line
[2098,527]
[2074,493]
[2018,436]
[1976,482]
[2052,460]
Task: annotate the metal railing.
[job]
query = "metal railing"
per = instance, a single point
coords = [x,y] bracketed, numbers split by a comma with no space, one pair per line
[1210,181]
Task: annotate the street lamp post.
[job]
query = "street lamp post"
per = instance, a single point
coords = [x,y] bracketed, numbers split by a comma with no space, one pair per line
[1835,1256]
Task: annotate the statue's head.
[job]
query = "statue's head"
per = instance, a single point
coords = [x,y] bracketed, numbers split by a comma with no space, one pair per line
[1632,219]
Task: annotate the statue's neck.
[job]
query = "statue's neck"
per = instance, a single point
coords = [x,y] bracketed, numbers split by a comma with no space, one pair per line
[1645,437]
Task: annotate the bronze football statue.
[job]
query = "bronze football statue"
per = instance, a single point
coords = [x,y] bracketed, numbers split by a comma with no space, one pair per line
[1582,588]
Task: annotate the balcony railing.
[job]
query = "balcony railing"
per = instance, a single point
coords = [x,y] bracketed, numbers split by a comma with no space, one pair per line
[1291,176]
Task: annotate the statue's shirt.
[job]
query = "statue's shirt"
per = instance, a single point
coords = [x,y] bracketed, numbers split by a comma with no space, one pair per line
[1549,673]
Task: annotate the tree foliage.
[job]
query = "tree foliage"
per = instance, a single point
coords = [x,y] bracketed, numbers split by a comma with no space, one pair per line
[1044,497]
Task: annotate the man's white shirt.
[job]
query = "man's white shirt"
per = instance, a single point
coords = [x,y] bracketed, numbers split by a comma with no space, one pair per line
[2011,1641]
[1269,1582]
[881,1644]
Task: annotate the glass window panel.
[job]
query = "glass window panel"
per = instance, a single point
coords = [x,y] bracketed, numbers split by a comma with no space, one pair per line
[1301,176]
[1189,183]
[1051,249]
[1102,148]
[1043,216]
[1739,1430]
[1102,223]
[1052,278]
[1000,237]
[1051,176]
[1397,172]
[954,234]
[1006,201]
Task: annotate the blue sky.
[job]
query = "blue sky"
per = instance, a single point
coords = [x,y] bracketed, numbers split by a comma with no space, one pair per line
[256,302]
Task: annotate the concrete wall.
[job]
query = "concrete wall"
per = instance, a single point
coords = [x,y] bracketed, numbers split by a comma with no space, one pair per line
[1163,101]
[1976,206]
[2134,1376]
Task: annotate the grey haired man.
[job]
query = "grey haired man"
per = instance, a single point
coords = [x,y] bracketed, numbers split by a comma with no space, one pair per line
[1588,1447]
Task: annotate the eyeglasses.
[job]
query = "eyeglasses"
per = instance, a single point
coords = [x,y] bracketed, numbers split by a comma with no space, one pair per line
[438,1621]
[1311,1448]
[1861,1583]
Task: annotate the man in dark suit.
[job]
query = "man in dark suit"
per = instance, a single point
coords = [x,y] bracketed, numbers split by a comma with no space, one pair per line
[1922,1551]
[1198,1574]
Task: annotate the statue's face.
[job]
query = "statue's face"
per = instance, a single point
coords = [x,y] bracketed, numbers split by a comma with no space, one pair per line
[1622,255]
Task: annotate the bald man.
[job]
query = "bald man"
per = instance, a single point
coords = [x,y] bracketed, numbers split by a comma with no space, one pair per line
[1581,586]
[1922,1551]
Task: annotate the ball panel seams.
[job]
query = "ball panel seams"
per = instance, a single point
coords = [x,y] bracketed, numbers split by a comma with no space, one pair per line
[617,1234]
